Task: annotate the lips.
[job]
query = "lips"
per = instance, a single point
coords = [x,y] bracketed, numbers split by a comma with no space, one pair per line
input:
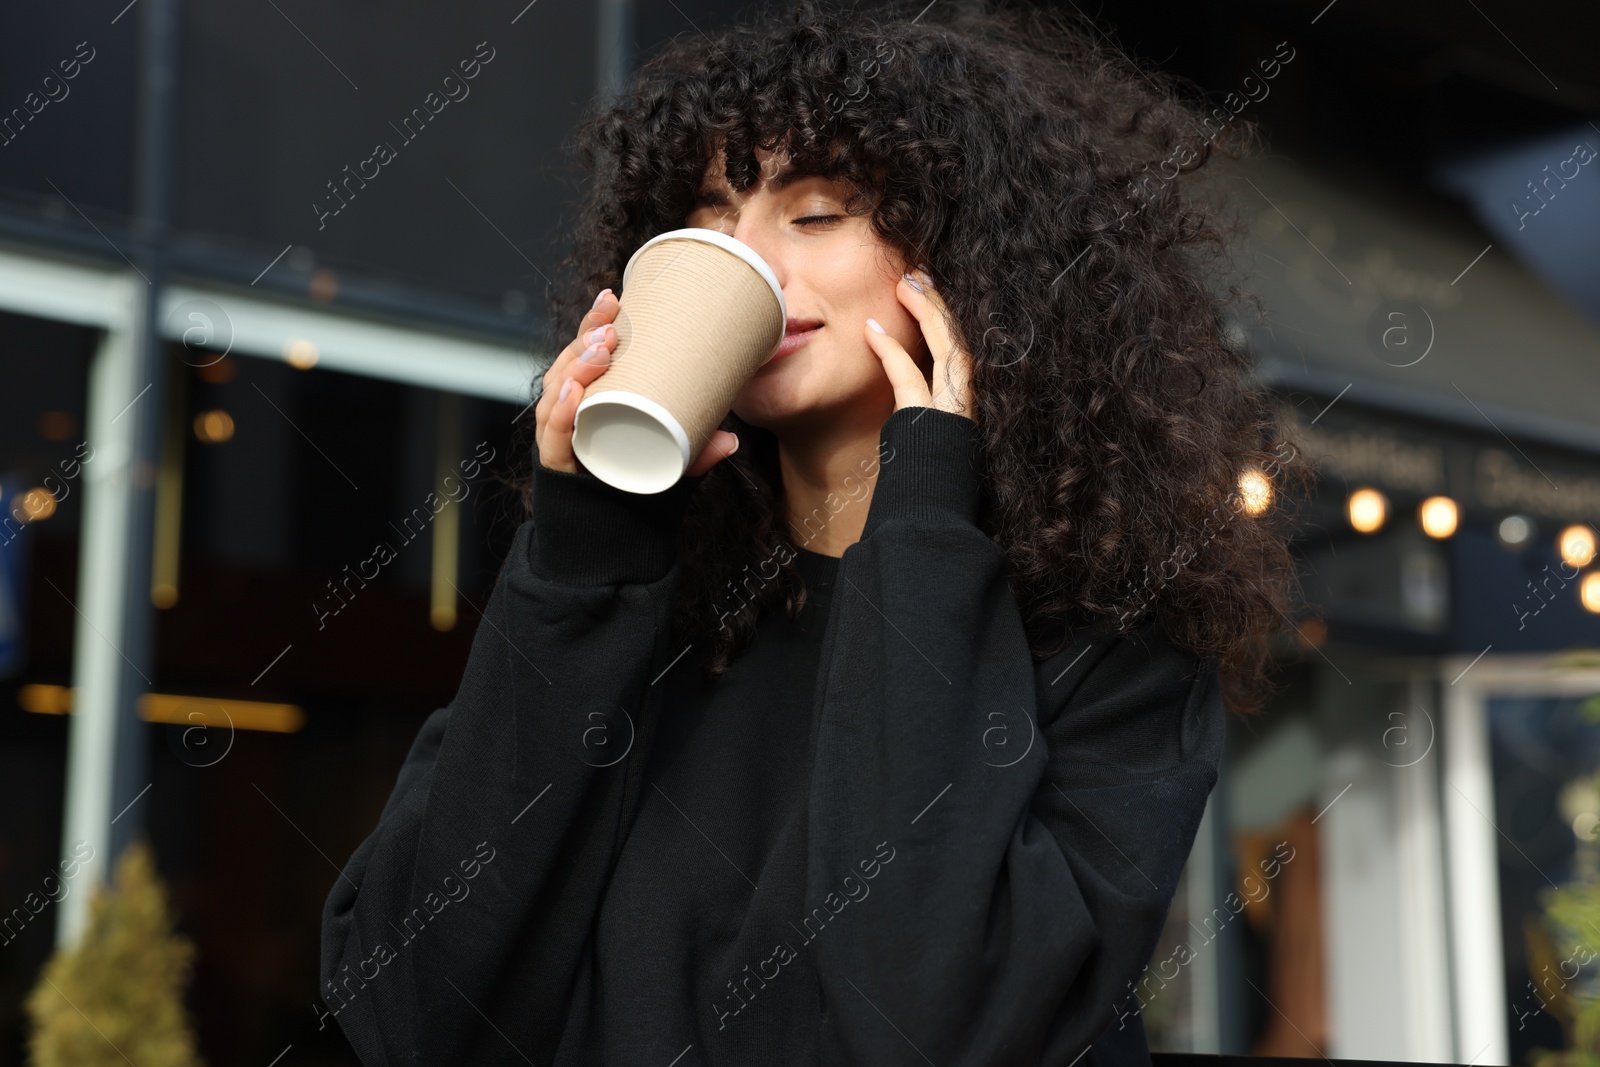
[796,333]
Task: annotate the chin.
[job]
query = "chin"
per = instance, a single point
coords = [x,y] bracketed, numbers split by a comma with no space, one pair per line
[772,398]
[763,414]
[806,416]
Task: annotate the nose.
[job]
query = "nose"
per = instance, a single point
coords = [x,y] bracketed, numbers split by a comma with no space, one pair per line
[760,235]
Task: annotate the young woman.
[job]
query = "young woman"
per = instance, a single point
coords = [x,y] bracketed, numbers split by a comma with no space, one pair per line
[884,735]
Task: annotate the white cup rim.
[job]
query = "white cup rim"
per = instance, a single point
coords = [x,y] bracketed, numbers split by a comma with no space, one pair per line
[721,240]
[621,477]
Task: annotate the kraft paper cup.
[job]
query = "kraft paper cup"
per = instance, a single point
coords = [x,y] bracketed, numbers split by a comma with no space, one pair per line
[700,313]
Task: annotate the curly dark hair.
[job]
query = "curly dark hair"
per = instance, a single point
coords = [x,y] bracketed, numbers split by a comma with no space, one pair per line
[1132,469]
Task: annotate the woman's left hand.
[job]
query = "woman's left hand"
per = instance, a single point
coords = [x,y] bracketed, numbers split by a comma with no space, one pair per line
[952,364]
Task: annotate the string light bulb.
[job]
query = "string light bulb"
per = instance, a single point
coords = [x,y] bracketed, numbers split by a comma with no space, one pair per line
[1368,509]
[1576,545]
[1439,516]
[1255,491]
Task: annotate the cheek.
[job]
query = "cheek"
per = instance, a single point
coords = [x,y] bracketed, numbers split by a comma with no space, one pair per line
[910,336]
[882,295]
[904,328]
[877,296]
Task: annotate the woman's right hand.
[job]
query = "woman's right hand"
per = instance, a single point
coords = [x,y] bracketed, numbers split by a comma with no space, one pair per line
[583,360]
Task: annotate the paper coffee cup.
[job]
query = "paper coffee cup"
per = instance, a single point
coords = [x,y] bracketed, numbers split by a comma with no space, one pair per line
[700,313]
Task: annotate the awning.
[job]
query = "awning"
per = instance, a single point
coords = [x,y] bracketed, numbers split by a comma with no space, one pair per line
[1397,301]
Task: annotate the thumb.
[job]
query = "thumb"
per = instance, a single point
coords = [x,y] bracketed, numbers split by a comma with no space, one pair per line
[722,445]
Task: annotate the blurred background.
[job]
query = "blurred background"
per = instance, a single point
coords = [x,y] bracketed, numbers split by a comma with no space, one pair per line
[257,385]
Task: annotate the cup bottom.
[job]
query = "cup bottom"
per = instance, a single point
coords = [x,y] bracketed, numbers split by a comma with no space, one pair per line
[630,442]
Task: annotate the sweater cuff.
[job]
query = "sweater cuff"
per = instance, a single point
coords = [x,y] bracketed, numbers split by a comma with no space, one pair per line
[931,467]
[586,532]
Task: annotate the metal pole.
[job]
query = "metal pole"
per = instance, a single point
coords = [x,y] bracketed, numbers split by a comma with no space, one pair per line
[153,177]
[108,774]
[613,45]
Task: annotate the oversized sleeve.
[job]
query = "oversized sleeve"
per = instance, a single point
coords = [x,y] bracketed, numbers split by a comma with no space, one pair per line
[993,843]
[487,865]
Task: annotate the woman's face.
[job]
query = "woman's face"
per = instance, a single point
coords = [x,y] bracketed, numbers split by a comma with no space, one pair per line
[836,272]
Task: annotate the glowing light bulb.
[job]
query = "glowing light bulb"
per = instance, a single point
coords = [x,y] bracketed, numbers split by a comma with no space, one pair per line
[300,354]
[1589,592]
[1576,545]
[1439,516]
[1255,490]
[213,427]
[1368,510]
[36,505]
[1515,530]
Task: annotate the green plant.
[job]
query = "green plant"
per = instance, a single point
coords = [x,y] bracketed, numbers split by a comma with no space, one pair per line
[1561,947]
[116,996]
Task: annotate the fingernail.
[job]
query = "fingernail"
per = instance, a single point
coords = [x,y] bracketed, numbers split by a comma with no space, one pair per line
[595,354]
[874,324]
[911,279]
[566,387]
[735,447]
[599,298]
[596,336]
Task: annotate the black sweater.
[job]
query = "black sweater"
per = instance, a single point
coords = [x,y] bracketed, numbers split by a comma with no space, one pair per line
[888,835]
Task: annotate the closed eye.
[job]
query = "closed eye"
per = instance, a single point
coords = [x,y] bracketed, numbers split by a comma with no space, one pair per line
[810,220]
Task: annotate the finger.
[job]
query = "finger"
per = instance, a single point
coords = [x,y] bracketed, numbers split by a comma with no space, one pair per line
[555,450]
[930,311]
[601,335]
[910,389]
[603,312]
[952,363]
[586,358]
[590,364]
[952,383]
[722,445]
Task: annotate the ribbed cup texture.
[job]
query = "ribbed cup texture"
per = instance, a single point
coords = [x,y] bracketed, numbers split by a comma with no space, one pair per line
[695,324]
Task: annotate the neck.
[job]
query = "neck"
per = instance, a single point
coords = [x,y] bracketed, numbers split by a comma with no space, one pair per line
[829,474]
